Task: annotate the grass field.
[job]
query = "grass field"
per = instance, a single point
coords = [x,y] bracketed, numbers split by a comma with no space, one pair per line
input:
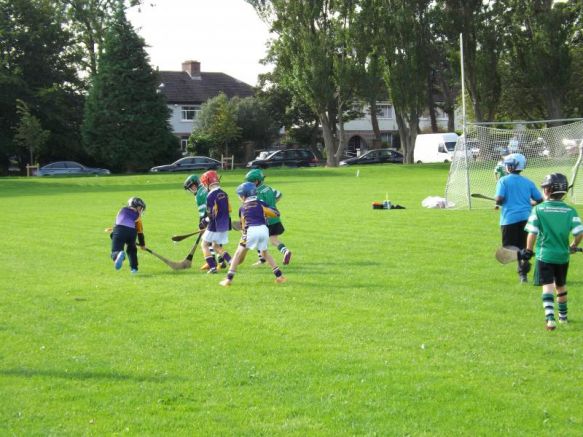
[392,322]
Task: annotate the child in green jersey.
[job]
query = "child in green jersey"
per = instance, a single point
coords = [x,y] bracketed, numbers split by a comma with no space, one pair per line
[548,227]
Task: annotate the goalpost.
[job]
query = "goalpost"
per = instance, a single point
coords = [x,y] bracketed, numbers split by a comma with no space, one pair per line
[482,147]
[556,149]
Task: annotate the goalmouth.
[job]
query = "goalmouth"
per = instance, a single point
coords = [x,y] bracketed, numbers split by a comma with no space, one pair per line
[556,149]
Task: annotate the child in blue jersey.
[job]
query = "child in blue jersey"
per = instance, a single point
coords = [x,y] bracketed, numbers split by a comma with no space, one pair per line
[516,195]
[217,221]
[128,226]
[255,235]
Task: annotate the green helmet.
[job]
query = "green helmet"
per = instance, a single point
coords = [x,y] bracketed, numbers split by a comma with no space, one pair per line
[254,175]
[190,181]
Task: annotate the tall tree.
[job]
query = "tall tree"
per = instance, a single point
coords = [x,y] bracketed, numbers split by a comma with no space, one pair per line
[30,135]
[37,66]
[126,118]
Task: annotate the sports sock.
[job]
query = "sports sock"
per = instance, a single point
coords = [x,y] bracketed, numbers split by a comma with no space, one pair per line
[277,272]
[282,248]
[230,275]
[210,260]
[549,306]
[562,305]
[260,257]
[227,257]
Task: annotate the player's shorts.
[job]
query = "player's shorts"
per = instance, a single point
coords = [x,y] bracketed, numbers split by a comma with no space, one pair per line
[547,273]
[256,237]
[514,235]
[215,237]
[276,229]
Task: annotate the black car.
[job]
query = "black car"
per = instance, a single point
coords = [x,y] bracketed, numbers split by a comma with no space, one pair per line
[289,158]
[189,163]
[378,156]
[71,168]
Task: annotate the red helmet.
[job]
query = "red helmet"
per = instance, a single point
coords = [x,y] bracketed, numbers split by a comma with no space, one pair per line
[210,177]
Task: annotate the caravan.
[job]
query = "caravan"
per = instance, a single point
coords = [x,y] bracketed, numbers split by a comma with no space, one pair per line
[435,147]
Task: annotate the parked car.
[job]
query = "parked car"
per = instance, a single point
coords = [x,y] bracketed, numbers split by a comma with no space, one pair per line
[189,163]
[69,168]
[378,156]
[290,158]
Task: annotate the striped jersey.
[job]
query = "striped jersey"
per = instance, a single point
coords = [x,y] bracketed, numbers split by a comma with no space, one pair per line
[255,212]
[552,222]
[269,196]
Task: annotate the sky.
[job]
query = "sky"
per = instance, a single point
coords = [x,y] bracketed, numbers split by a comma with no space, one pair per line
[225,36]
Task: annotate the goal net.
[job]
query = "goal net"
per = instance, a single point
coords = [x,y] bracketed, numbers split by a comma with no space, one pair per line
[556,149]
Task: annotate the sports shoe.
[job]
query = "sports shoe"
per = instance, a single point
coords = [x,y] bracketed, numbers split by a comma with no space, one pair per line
[523,279]
[212,271]
[563,321]
[119,259]
[550,325]
[280,279]
[205,266]
[258,263]
[222,265]
[134,271]
[287,257]
[225,283]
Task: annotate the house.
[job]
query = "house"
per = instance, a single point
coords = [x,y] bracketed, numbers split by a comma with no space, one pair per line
[359,133]
[188,89]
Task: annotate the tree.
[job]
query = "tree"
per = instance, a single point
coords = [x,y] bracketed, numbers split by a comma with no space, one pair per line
[37,66]
[126,119]
[29,133]
[255,121]
[218,120]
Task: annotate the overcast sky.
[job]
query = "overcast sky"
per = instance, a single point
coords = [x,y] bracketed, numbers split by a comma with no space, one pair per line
[223,35]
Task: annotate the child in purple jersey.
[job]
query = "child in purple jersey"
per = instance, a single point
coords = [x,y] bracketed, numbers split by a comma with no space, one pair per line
[128,226]
[217,221]
[255,235]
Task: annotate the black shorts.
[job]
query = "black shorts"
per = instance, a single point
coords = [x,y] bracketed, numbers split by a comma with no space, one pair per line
[547,273]
[276,229]
[514,235]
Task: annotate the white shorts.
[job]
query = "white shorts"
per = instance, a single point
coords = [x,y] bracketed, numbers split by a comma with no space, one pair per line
[257,238]
[215,237]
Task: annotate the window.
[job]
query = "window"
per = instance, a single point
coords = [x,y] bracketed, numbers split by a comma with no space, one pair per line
[190,112]
[385,111]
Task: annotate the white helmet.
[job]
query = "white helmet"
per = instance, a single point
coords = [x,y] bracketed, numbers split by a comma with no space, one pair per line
[515,162]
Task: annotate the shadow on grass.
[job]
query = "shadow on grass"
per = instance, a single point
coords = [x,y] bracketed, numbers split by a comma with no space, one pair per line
[83,375]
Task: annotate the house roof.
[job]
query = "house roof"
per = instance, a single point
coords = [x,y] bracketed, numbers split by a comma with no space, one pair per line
[179,87]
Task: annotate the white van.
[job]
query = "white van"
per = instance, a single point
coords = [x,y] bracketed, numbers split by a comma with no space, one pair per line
[434,147]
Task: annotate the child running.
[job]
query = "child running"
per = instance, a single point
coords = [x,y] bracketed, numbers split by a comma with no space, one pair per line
[549,226]
[270,197]
[255,235]
[192,184]
[128,226]
[217,221]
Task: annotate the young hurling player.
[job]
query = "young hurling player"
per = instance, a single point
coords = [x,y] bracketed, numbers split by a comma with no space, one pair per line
[254,232]
[128,226]
[270,197]
[549,226]
[217,221]
[516,194]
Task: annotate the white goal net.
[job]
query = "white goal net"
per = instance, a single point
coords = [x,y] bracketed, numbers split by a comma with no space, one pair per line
[556,149]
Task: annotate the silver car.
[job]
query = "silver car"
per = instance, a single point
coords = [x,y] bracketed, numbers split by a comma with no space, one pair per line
[70,168]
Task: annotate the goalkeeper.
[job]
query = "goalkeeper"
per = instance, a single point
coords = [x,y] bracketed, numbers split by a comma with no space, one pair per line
[516,195]
[270,197]
[549,226]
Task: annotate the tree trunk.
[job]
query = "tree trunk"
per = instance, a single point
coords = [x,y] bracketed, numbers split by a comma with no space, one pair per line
[329,140]
[431,104]
[375,120]
[408,133]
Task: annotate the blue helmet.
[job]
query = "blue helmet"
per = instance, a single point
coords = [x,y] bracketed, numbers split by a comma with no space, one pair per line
[247,189]
[515,162]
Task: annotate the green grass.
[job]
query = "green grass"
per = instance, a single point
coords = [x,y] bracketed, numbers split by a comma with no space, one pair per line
[392,322]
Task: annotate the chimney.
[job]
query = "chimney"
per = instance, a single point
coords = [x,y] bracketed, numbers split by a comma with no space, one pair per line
[192,68]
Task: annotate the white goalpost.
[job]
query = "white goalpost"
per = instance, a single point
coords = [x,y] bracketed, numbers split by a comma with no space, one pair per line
[556,149]
[482,147]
